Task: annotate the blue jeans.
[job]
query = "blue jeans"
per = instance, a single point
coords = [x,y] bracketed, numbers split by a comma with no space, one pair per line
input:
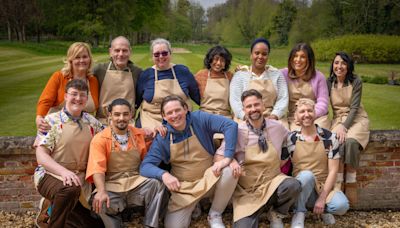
[308,196]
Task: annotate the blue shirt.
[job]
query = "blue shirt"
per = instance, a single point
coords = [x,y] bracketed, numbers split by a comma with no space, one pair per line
[204,126]
[145,84]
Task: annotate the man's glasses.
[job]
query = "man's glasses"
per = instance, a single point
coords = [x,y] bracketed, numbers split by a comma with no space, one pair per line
[81,95]
[163,53]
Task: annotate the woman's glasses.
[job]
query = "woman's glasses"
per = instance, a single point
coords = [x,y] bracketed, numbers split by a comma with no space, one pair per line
[163,53]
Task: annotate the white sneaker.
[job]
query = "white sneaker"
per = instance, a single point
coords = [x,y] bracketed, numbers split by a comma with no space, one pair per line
[328,219]
[298,220]
[215,221]
[275,219]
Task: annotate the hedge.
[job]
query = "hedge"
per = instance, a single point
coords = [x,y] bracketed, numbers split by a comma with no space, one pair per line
[363,48]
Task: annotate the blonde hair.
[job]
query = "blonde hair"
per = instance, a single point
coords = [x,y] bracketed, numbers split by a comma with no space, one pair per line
[72,52]
[305,101]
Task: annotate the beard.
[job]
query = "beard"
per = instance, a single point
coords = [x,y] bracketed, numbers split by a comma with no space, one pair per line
[255,116]
[122,125]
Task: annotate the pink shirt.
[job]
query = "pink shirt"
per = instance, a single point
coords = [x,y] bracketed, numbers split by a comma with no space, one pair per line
[275,132]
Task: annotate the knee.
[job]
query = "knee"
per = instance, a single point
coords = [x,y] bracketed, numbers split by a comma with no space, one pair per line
[306,177]
[350,143]
[292,186]
[71,191]
[155,184]
[227,174]
[339,205]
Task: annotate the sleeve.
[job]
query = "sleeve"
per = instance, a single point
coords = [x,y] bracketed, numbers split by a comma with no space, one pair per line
[94,90]
[321,106]
[140,88]
[192,86]
[334,149]
[199,76]
[48,139]
[136,73]
[48,98]
[235,93]
[158,153]
[288,145]
[97,162]
[355,102]
[282,101]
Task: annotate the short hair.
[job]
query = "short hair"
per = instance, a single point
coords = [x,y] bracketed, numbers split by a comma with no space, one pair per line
[160,41]
[120,38]
[249,93]
[350,67]
[170,98]
[310,70]
[305,101]
[260,40]
[77,84]
[74,50]
[221,51]
[119,101]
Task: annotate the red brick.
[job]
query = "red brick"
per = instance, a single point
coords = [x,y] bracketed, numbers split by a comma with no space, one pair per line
[367,157]
[381,163]
[27,205]
[395,156]
[397,163]
[11,164]
[382,157]
[366,178]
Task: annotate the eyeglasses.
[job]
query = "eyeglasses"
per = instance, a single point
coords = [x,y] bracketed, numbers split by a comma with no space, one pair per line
[81,95]
[163,53]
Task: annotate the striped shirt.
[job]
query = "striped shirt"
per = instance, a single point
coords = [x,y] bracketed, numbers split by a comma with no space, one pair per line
[240,82]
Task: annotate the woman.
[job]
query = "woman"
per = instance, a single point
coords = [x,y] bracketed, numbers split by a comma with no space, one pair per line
[350,121]
[262,77]
[77,66]
[161,80]
[305,82]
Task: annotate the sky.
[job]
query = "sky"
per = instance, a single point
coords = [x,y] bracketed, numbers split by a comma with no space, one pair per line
[208,3]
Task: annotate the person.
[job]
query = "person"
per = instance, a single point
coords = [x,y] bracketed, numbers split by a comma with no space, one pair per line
[304,81]
[117,78]
[266,79]
[161,80]
[188,148]
[62,156]
[350,121]
[77,65]
[213,83]
[258,150]
[314,154]
[113,166]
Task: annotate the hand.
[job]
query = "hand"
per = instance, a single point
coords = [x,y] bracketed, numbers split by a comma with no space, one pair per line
[171,182]
[319,206]
[162,130]
[242,68]
[236,168]
[272,116]
[41,124]
[69,177]
[99,199]
[341,133]
[149,134]
[219,165]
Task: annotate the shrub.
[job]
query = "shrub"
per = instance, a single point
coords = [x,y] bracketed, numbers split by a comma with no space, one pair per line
[374,80]
[363,48]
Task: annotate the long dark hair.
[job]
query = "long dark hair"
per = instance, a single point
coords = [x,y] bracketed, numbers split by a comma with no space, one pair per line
[310,71]
[350,68]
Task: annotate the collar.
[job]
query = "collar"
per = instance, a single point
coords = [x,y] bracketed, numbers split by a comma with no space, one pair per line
[320,133]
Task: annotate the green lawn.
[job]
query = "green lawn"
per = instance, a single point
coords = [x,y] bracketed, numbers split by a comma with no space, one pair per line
[24,71]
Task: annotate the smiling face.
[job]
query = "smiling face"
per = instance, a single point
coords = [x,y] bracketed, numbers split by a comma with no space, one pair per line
[300,62]
[339,67]
[259,56]
[81,62]
[305,115]
[75,101]
[161,56]
[253,107]
[218,63]
[175,114]
[120,117]
[120,52]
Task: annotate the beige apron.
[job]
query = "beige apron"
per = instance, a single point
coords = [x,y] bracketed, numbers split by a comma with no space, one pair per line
[123,169]
[72,152]
[116,84]
[312,156]
[302,89]
[340,100]
[262,177]
[150,114]
[192,165]
[90,107]
[215,99]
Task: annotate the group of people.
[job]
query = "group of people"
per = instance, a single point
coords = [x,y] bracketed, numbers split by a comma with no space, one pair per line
[262,138]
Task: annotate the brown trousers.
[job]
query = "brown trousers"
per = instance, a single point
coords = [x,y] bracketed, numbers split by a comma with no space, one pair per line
[67,211]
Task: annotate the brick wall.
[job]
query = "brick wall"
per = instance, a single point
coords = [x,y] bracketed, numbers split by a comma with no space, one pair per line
[378,177]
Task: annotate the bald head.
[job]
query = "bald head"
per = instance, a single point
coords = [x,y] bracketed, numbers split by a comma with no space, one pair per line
[120,51]
[120,39]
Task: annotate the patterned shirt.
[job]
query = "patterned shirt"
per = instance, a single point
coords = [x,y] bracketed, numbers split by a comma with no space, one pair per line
[329,139]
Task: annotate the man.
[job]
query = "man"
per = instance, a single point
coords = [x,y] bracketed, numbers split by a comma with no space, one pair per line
[258,150]
[314,154]
[62,156]
[188,148]
[115,156]
[117,78]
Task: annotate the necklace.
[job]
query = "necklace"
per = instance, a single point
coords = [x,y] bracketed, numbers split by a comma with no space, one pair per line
[121,141]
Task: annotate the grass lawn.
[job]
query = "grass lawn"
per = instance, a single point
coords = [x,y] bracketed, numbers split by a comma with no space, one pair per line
[24,71]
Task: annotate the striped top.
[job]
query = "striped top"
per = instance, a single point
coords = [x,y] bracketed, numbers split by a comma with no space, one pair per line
[240,82]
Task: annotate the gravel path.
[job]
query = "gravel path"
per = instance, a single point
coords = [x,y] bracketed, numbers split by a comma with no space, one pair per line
[371,219]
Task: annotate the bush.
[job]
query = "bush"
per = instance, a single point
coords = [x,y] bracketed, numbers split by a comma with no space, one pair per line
[363,48]
[374,80]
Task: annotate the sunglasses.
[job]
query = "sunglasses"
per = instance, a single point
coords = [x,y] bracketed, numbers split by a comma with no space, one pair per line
[163,53]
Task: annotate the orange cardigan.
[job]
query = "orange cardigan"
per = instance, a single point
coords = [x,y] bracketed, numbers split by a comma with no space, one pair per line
[53,93]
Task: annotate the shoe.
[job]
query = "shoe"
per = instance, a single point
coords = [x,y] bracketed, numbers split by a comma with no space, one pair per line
[42,217]
[298,220]
[196,212]
[328,219]
[275,219]
[215,221]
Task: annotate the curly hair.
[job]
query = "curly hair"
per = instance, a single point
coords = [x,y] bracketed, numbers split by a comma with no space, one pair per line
[221,51]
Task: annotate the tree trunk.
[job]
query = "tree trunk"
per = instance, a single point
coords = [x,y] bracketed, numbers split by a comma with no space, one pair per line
[9,30]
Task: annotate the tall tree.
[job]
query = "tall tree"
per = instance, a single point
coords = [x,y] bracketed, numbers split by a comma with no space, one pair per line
[282,21]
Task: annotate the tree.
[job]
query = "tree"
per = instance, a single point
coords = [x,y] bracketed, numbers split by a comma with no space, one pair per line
[282,21]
